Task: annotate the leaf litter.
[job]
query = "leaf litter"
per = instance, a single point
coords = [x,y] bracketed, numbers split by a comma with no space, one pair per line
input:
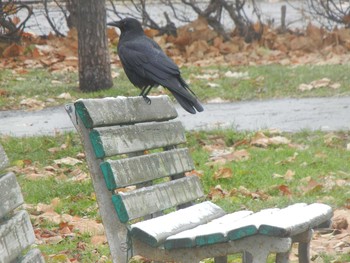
[334,240]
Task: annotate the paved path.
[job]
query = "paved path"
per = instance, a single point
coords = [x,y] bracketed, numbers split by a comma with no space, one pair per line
[291,115]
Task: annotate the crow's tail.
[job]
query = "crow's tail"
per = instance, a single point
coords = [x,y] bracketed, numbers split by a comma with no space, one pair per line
[189,105]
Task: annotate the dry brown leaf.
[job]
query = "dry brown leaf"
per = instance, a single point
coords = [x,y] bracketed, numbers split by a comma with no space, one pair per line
[223,173]
[226,155]
[14,50]
[32,104]
[216,193]
[312,186]
[288,160]
[67,161]
[321,83]
[195,172]
[284,189]
[289,175]
[261,140]
[98,240]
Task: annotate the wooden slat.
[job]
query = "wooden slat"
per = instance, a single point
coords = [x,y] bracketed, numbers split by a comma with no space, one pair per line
[295,219]
[156,230]
[16,234]
[210,233]
[151,199]
[135,170]
[121,110]
[10,194]
[33,256]
[109,141]
[3,159]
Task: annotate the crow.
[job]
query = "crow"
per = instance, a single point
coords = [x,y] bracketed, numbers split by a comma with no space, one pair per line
[147,66]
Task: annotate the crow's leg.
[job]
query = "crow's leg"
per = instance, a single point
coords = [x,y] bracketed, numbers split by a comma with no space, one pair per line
[144,92]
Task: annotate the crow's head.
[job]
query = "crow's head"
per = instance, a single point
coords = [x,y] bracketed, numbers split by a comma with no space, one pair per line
[127,25]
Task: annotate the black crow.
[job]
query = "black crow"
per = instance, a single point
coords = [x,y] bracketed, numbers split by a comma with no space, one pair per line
[146,65]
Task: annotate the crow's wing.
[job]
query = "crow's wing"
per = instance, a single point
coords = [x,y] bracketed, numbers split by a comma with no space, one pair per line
[143,55]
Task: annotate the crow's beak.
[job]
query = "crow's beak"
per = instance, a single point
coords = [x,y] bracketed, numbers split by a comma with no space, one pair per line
[114,23]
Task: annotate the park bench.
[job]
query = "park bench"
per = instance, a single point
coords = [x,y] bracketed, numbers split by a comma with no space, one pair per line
[149,207]
[16,230]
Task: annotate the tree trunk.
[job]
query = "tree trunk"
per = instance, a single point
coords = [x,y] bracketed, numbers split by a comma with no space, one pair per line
[94,61]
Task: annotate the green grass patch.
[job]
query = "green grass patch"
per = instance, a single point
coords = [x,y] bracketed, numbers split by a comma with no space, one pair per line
[260,82]
[311,156]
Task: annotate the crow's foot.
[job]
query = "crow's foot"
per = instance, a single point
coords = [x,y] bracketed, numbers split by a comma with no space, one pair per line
[147,100]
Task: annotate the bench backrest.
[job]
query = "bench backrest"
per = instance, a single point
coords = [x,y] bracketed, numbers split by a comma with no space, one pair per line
[16,231]
[134,147]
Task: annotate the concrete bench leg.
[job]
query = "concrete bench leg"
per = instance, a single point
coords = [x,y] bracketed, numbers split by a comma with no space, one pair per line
[247,257]
[304,240]
[220,259]
[282,257]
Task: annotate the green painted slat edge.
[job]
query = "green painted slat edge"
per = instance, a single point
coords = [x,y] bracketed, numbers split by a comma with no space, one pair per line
[242,232]
[144,237]
[120,208]
[272,231]
[97,144]
[108,175]
[179,243]
[210,239]
[83,114]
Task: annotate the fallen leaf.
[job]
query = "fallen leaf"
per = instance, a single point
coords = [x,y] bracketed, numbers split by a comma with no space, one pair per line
[216,193]
[321,83]
[223,173]
[32,104]
[222,157]
[340,222]
[288,160]
[312,186]
[98,240]
[209,84]
[261,140]
[195,172]
[65,95]
[236,75]
[284,189]
[207,76]
[14,50]
[67,161]
[289,175]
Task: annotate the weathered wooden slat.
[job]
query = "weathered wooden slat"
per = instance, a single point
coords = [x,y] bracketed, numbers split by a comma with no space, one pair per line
[135,170]
[109,141]
[155,198]
[33,256]
[16,234]
[120,110]
[3,159]
[156,230]
[10,194]
[295,219]
[210,233]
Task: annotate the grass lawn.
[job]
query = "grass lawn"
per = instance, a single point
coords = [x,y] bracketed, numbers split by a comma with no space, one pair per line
[237,171]
[306,167]
[262,82]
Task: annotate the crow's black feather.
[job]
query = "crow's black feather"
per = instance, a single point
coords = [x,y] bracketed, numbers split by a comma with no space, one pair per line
[146,65]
